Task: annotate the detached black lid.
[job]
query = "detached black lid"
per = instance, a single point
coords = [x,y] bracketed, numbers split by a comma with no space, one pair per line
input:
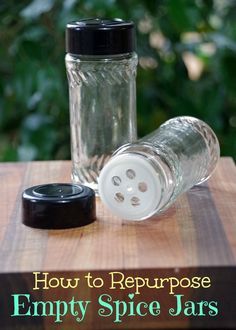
[96,36]
[58,206]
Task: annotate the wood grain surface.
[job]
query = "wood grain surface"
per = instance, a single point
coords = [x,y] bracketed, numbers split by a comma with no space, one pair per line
[199,230]
[195,237]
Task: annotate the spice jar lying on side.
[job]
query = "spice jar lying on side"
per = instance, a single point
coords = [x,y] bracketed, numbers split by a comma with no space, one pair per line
[101,68]
[145,178]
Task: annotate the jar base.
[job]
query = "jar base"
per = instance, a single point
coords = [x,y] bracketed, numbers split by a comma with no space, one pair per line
[93,185]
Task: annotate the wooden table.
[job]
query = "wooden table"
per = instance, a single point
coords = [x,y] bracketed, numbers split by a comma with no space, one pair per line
[195,236]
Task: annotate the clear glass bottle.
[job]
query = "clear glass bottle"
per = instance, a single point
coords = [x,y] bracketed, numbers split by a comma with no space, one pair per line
[144,178]
[101,68]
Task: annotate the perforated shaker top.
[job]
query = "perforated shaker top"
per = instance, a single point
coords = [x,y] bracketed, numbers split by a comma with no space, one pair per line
[130,187]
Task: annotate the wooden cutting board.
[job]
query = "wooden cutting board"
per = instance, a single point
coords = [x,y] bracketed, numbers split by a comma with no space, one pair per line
[197,233]
[199,230]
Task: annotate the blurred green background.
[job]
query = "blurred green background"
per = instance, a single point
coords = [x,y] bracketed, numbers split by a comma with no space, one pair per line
[187,66]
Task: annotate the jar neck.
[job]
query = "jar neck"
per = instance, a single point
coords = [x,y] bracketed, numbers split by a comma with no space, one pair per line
[116,57]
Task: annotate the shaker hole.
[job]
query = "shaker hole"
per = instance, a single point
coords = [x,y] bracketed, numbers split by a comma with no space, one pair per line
[119,197]
[135,201]
[130,174]
[116,180]
[142,186]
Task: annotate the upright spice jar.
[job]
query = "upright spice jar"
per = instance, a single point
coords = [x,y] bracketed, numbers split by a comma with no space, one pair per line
[101,68]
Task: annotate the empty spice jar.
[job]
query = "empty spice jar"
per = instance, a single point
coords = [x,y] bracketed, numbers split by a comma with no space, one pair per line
[101,68]
[144,178]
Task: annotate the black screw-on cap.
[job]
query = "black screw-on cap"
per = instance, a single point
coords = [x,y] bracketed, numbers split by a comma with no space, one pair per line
[96,36]
[58,206]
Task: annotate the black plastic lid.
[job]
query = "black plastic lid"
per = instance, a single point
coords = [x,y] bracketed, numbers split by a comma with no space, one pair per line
[96,36]
[58,206]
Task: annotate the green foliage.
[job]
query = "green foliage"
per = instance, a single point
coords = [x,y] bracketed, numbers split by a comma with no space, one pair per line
[175,37]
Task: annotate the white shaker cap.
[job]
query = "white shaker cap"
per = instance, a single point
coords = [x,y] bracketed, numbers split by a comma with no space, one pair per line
[130,187]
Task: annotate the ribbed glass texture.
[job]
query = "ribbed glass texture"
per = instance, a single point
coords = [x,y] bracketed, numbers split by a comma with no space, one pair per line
[183,151]
[102,93]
